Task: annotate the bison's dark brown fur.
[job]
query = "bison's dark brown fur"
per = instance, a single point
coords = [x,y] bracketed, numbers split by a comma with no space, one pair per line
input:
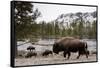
[46,52]
[70,44]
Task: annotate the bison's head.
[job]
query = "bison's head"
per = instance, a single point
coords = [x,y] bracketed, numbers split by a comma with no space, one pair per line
[57,47]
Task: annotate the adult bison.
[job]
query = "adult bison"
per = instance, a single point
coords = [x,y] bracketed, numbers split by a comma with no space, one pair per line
[70,44]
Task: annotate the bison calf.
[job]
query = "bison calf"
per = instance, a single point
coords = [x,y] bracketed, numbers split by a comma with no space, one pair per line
[30,48]
[30,54]
[46,52]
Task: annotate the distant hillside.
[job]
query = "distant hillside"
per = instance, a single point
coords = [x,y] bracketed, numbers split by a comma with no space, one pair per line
[68,18]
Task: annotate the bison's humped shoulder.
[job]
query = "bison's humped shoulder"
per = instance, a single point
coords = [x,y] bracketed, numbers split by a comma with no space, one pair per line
[64,39]
[71,42]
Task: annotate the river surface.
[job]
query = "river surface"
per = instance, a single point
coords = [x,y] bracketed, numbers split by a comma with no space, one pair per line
[42,45]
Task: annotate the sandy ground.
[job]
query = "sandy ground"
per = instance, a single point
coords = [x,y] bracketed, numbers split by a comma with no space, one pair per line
[53,59]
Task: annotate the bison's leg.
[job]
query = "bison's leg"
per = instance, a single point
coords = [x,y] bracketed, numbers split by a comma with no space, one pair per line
[30,50]
[68,55]
[64,53]
[78,55]
[86,54]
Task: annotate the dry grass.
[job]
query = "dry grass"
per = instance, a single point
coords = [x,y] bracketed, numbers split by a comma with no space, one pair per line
[51,59]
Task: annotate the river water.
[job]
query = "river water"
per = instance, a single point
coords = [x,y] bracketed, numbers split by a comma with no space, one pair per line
[42,45]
